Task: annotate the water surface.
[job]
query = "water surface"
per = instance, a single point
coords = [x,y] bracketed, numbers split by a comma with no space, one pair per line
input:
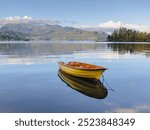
[29,80]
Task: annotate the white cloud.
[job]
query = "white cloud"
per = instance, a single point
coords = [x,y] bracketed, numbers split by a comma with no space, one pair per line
[26,19]
[17,18]
[114,25]
[29,19]
[12,18]
[109,26]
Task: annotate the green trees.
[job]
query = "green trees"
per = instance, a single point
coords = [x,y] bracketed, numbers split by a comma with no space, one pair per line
[127,35]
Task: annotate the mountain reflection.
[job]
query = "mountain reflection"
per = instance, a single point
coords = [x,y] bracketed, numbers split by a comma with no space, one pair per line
[39,52]
[29,53]
[87,87]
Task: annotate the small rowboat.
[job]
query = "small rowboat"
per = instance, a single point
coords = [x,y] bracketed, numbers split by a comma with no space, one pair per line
[83,70]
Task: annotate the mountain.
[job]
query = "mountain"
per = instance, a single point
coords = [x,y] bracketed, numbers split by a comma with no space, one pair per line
[13,36]
[42,31]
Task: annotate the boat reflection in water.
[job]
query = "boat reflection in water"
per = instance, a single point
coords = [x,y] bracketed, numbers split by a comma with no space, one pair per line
[91,88]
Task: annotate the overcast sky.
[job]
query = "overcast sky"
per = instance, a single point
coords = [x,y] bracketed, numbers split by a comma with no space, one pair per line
[83,12]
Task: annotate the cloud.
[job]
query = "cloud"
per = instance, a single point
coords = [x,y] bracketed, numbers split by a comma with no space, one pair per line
[109,26]
[27,19]
[114,25]
[16,18]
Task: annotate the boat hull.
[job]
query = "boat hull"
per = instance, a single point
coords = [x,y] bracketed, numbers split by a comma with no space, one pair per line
[94,74]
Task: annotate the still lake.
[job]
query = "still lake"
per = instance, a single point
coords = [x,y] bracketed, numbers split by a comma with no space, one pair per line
[29,80]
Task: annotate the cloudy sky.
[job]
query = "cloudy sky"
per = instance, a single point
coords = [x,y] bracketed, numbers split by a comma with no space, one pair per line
[85,13]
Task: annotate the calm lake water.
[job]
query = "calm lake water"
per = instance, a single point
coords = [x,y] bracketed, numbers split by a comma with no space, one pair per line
[30,80]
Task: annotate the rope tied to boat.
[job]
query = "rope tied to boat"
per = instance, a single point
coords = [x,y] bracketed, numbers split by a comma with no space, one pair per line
[105,82]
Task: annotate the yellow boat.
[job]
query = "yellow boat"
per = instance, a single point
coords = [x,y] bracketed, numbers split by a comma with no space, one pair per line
[91,88]
[80,69]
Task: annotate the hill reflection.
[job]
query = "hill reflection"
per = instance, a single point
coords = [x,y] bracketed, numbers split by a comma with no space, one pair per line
[28,53]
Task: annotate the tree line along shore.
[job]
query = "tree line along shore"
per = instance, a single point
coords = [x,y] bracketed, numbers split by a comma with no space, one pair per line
[128,35]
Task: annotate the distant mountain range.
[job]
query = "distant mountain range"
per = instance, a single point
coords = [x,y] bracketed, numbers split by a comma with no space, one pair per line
[28,28]
[41,31]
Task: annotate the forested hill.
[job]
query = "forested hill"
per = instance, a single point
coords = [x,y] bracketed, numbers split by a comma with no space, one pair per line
[128,35]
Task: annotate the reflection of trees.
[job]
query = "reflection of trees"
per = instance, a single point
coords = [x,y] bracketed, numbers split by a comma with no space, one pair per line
[129,48]
[35,49]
